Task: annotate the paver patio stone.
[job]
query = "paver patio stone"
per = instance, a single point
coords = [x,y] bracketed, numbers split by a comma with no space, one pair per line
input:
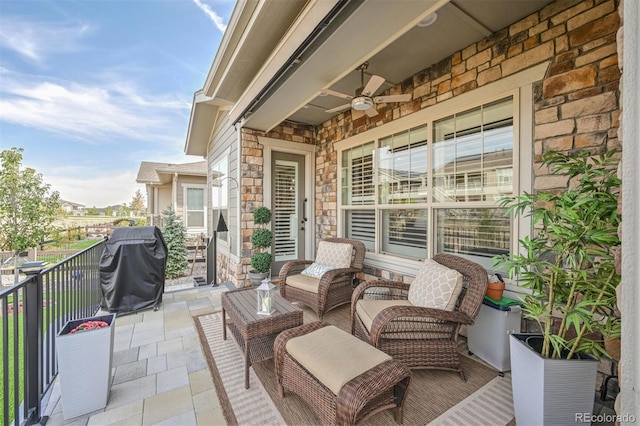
[117,414]
[156,364]
[167,405]
[130,371]
[171,379]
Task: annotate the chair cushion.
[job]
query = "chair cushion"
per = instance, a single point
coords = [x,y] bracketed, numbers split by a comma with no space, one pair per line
[337,255]
[303,282]
[436,286]
[403,327]
[333,356]
[316,270]
[368,309]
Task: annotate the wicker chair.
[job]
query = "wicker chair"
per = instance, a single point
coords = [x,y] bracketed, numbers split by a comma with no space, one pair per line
[332,289]
[417,336]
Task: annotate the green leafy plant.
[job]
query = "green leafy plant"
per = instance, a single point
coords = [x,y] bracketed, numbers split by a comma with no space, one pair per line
[568,264]
[261,216]
[261,240]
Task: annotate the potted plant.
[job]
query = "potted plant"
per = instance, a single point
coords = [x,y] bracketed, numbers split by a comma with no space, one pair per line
[568,266]
[261,241]
[84,349]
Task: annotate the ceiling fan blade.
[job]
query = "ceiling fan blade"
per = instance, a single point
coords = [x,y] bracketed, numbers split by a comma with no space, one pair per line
[373,84]
[356,113]
[337,94]
[371,112]
[392,98]
[339,108]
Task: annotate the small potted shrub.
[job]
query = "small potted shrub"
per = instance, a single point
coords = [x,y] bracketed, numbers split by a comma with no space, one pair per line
[568,266]
[261,241]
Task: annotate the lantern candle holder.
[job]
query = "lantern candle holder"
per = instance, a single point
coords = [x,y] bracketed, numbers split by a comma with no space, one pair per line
[266,297]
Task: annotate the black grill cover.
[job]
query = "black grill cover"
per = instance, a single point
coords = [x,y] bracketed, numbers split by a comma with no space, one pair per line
[132,269]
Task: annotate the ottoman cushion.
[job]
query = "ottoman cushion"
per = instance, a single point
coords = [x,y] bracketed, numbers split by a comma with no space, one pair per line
[334,356]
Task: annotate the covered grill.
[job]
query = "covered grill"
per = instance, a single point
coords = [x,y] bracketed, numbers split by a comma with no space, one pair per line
[132,269]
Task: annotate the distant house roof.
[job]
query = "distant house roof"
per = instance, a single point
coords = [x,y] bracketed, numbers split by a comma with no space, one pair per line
[160,173]
[70,203]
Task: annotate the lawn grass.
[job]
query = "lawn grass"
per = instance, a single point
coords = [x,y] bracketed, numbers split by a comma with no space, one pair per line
[81,245]
[21,344]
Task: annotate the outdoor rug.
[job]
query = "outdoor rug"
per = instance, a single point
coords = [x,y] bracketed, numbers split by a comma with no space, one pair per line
[435,396]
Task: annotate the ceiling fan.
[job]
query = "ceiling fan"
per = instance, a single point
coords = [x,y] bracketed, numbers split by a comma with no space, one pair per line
[364,99]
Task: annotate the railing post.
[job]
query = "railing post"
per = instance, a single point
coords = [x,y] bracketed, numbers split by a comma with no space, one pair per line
[32,304]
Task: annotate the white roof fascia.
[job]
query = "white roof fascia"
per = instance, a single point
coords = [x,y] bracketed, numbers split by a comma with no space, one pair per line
[304,25]
[201,121]
[242,12]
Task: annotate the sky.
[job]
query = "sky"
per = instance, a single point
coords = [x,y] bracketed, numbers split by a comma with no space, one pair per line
[91,88]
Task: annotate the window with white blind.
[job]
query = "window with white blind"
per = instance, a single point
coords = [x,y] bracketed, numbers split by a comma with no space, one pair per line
[285,212]
[358,190]
[433,188]
[194,206]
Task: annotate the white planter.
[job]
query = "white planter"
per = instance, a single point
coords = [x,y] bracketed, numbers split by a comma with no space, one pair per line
[550,391]
[84,366]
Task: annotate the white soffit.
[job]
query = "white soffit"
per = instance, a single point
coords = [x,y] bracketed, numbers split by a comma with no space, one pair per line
[251,42]
[356,40]
[307,21]
[238,22]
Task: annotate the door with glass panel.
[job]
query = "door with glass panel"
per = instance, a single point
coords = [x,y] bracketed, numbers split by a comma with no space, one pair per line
[289,207]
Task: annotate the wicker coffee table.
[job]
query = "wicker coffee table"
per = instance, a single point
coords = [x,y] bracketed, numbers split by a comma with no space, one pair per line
[255,333]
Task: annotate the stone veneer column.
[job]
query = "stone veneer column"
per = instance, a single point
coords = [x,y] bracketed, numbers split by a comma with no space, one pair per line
[252,171]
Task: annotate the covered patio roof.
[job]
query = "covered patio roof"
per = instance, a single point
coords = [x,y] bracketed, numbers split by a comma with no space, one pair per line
[320,53]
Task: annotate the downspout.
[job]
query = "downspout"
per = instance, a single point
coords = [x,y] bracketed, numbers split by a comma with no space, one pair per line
[630,297]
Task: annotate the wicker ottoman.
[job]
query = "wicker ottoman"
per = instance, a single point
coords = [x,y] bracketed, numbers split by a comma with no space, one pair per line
[342,378]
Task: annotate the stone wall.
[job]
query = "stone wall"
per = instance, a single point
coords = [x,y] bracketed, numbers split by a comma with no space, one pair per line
[576,105]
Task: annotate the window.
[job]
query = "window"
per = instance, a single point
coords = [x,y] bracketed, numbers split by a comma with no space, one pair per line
[357,191]
[194,207]
[220,194]
[408,196]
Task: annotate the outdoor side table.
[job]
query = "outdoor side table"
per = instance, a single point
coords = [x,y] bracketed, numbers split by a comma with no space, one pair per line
[255,333]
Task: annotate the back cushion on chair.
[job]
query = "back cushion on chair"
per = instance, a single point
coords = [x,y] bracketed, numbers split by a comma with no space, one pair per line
[336,255]
[316,270]
[435,286]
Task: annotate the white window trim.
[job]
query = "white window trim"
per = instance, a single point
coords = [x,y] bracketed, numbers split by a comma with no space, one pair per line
[185,187]
[222,245]
[518,85]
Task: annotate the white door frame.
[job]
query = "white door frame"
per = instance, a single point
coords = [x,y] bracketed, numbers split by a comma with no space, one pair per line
[309,152]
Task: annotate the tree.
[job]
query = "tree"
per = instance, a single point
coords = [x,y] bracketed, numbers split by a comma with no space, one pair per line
[137,203]
[108,211]
[27,208]
[92,211]
[175,235]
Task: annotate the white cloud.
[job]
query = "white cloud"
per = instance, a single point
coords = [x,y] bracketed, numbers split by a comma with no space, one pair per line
[217,19]
[88,188]
[92,112]
[35,41]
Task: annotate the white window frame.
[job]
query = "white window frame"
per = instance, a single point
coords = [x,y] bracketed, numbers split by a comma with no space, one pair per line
[520,87]
[222,239]
[185,208]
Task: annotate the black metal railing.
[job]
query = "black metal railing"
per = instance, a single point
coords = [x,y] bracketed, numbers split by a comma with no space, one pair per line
[32,313]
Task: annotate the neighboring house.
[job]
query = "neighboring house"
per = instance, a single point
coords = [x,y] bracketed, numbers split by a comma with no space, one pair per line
[72,208]
[485,87]
[182,187]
